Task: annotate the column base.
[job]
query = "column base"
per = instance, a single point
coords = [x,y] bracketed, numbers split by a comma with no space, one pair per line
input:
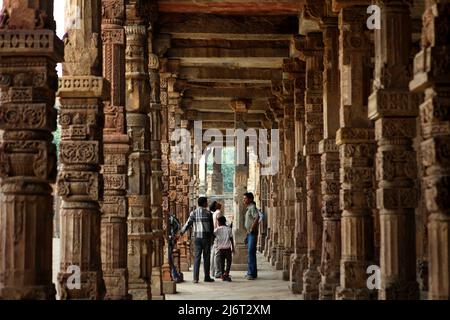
[157,283]
[92,286]
[29,293]
[169,287]
[286,264]
[354,294]
[327,289]
[279,258]
[116,283]
[140,291]
[400,290]
[239,267]
[299,263]
[311,282]
[240,256]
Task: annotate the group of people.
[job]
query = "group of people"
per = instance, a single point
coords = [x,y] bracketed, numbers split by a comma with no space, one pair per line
[213,239]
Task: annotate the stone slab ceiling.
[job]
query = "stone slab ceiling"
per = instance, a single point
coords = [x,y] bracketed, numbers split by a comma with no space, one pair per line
[226,50]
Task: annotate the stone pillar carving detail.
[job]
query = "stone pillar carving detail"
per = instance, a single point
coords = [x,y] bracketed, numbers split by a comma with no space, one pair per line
[115,152]
[394,110]
[81,120]
[331,236]
[311,47]
[139,220]
[355,139]
[431,70]
[299,259]
[28,56]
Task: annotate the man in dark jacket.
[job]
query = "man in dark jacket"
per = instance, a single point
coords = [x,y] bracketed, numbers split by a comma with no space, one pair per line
[202,222]
[174,227]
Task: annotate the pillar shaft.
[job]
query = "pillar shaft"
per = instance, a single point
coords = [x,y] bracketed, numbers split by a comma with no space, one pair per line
[215,183]
[139,160]
[81,120]
[355,139]
[28,157]
[240,108]
[394,110]
[313,51]
[331,236]
[115,152]
[156,184]
[290,68]
[299,257]
[431,70]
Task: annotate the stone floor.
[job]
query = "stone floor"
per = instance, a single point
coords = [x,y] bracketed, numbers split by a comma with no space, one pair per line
[268,286]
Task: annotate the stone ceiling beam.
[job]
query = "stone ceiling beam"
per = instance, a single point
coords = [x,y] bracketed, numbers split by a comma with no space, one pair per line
[228,93]
[234,24]
[222,105]
[249,75]
[288,7]
[223,116]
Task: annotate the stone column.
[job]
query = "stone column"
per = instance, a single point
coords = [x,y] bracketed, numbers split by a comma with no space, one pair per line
[115,151]
[394,110]
[431,70]
[290,68]
[215,185]
[159,75]
[299,261]
[160,262]
[139,161]
[355,139]
[28,81]
[81,120]
[240,108]
[183,202]
[331,236]
[311,47]
[279,202]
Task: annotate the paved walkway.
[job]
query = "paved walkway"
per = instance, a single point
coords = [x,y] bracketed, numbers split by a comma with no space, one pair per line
[269,285]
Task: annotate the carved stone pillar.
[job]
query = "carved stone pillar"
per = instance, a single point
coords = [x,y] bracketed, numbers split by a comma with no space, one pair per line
[279,202]
[183,201]
[355,139]
[169,285]
[312,49]
[290,68]
[331,236]
[240,108]
[115,152]
[215,183]
[394,110]
[28,81]
[299,260]
[81,120]
[160,262]
[431,70]
[139,166]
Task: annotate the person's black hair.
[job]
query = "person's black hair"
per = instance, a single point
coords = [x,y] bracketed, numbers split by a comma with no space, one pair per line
[222,220]
[249,195]
[202,201]
[213,206]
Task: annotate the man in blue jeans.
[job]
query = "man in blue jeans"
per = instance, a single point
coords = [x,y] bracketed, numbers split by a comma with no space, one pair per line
[202,221]
[251,225]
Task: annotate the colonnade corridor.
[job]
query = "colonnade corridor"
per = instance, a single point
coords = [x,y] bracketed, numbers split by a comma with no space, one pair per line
[117,115]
